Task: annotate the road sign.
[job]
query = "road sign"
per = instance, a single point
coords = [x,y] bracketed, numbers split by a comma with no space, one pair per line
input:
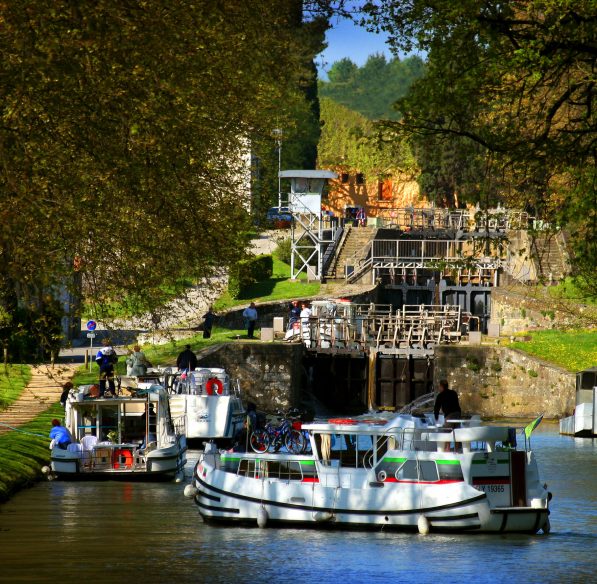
[91,335]
[91,324]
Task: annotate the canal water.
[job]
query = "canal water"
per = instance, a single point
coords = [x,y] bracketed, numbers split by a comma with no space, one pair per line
[141,533]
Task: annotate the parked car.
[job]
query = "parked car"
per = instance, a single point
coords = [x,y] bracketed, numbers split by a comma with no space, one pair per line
[279,217]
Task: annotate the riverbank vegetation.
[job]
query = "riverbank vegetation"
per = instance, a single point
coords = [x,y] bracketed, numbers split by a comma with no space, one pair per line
[572,350]
[13,379]
[133,130]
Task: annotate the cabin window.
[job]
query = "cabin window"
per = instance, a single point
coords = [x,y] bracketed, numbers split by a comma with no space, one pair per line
[428,471]
[408,471]
[360,178]
[256,469]
[344,177]
[449,470]
[288,470]
[351,450]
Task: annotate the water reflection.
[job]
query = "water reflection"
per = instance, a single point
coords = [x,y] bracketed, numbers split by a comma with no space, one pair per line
[148,532]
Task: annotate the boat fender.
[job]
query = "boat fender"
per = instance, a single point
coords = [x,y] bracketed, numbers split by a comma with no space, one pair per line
[45,470]
[262,517]
[190,491]
[423,525]
[214,385]
[322,516]
[546,527]
[179,477]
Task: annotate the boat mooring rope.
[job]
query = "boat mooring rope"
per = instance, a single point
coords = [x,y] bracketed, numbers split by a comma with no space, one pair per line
[24,431]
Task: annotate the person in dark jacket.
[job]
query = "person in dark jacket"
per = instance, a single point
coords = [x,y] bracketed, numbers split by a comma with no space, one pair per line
[106,358]
[209,318]
[187,360]
[446,402]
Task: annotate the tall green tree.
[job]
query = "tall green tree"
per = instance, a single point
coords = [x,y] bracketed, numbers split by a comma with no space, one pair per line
[124,127]
[373,88]
[517,79]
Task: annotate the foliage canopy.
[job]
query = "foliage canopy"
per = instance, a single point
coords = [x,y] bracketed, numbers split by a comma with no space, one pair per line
[124,136]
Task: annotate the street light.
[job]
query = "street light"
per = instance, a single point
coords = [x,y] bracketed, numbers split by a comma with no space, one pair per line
[277,132]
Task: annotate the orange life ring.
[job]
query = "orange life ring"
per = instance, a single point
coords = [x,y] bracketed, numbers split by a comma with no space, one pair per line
[122,458]
[209,386]
[346,421]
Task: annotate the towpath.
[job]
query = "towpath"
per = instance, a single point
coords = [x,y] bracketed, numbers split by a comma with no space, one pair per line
[41,392]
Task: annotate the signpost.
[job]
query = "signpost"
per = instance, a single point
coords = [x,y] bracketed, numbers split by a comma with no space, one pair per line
[91,326]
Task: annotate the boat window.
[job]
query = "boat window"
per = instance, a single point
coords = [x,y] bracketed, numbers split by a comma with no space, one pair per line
[408,471]
[449,470]
[349,449]
[428,471]
[253,468]
[284,469]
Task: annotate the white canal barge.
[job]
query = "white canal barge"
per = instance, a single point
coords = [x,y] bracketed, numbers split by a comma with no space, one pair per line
[209,402]
[405,474]
[123,437]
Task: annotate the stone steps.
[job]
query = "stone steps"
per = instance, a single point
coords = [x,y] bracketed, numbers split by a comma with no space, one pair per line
[43,390]
[355,243]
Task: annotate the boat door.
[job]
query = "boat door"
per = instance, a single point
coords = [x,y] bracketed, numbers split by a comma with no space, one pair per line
[518,477]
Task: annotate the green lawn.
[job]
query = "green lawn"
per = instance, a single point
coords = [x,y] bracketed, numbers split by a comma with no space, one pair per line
[278,287]
[12,381]
[569,290]
[572,350]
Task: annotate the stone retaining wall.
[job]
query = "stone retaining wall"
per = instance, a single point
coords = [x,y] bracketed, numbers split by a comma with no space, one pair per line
[270,374]
[502,382]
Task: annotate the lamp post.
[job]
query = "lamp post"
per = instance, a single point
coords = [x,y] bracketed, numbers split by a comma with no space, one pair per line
[277,132]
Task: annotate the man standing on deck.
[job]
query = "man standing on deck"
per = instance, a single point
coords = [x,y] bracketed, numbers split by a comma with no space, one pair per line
[446,402]
[187,359]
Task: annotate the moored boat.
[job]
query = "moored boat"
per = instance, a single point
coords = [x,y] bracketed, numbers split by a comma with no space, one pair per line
[406,474]
[209,402]
[129,437]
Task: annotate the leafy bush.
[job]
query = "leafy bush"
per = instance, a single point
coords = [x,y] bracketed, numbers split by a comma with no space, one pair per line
[249,271]
[283,251]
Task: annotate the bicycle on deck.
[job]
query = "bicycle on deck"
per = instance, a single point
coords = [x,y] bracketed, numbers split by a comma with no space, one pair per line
[274,436]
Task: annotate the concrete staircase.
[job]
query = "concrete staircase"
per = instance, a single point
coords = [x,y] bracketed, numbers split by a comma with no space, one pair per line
[352,249]
[550,258]
[42,391]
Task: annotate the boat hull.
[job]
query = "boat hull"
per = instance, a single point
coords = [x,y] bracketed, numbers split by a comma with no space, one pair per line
[161,464]
[447,508]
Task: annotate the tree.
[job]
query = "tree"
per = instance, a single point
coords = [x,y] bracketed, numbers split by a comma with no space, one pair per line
[123,131]
[373,88]
[351,141]
[516,79]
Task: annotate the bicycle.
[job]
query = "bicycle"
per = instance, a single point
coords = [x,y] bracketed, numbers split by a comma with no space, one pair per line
[273,437]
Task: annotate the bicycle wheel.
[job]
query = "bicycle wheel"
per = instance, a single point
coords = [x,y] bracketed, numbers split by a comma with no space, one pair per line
[307,447]
[294,441]
[259,440]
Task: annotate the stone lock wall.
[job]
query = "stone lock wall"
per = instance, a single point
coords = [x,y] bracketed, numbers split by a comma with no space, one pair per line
[269,374]
[502,382]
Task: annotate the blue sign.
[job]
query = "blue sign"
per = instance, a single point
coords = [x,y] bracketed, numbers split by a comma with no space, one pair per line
[91,324]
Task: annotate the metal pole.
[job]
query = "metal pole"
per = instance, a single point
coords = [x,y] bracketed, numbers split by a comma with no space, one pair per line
[279,170]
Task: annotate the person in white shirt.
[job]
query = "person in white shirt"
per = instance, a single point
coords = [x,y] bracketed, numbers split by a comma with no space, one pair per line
[250,319]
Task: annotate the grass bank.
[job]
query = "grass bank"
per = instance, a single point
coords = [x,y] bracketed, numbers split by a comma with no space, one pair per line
[572,350]
[13,379]
[24,451]
[278,287]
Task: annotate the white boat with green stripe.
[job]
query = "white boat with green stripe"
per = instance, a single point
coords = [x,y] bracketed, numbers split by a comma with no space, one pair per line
[403,473]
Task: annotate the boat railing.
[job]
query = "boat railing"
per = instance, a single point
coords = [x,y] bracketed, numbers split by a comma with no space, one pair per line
[180,425]
[462,439]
